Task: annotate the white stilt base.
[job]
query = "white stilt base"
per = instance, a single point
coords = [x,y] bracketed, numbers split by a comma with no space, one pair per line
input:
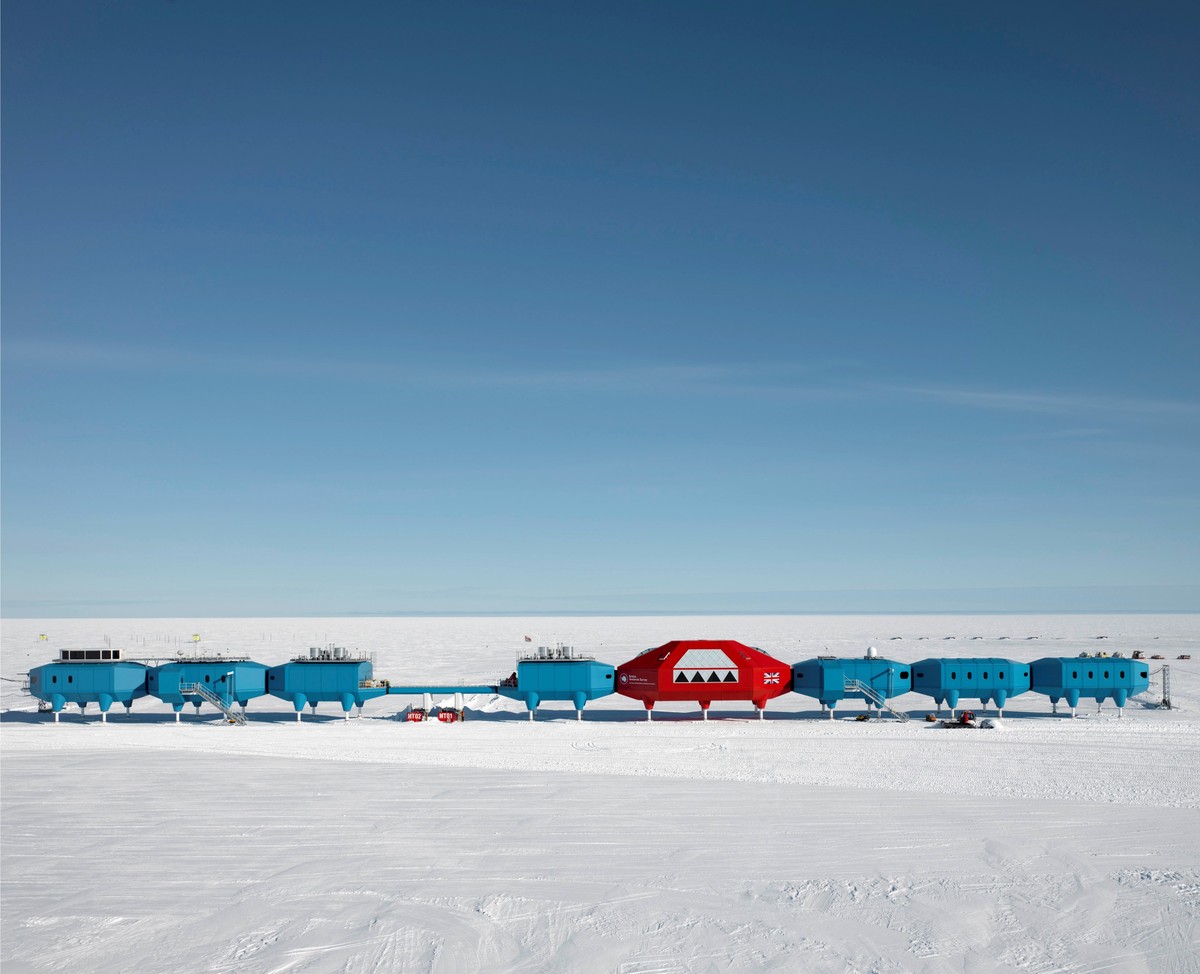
[177,715]
[299,715]
[531,716]
[649,715]
[760,714]
[56,716]
[579,715]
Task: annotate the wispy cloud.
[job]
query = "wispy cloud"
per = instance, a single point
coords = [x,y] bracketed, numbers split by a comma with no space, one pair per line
[822,380]
[1065,434]
[1025,401]
[655,378]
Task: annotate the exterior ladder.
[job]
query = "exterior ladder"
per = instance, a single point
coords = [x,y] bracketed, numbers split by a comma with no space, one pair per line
[1162,700]
[873,697]
[1165,671]
[205,694]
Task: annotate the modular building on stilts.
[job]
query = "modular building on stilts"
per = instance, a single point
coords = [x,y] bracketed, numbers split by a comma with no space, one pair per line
[703,671]
[557,673]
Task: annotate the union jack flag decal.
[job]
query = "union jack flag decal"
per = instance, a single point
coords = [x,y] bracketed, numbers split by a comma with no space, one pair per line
[770,678]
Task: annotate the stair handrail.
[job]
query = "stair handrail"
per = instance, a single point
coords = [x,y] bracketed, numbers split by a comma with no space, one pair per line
[206,694]
[873,696]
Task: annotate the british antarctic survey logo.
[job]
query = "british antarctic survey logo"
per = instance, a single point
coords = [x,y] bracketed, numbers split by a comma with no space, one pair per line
[770,678]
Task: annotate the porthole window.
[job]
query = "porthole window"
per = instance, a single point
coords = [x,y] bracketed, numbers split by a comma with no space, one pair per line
[1106,674]
[953,675]
[1074,674]
[70,679]
[54,679]
[1122,674]
[1090,674]
[985,676]
[1002,674]
[904,674]
[968,674]
[920,674]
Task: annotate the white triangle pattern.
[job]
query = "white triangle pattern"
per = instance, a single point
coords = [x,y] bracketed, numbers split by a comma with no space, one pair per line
[705,676]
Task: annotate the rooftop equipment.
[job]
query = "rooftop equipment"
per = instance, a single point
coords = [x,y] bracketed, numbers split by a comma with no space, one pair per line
[557,673]
[85,676]
[329,674]
[88,655]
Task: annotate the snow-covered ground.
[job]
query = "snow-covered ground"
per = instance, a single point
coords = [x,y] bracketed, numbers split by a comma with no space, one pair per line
[791,844]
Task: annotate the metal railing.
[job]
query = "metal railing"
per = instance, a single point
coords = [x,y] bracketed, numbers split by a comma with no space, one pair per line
[873,697]
[205,694]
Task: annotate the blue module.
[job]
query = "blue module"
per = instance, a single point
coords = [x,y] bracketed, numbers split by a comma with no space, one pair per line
[86,676]
[1071,677]
[871,678]
[231,678]
[329,675]
[985,680]
[557,674]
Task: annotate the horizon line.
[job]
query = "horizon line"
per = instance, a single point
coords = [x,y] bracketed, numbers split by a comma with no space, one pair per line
[633,613]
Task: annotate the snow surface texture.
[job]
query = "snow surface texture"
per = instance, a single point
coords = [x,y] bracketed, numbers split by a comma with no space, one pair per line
[791,844]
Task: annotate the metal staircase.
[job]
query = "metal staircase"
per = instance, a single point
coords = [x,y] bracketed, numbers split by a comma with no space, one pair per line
[205,694]
[874,698]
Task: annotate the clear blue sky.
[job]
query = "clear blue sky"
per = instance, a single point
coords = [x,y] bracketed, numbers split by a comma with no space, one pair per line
[367,307]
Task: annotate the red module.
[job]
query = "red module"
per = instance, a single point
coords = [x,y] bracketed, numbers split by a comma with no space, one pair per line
[703,670]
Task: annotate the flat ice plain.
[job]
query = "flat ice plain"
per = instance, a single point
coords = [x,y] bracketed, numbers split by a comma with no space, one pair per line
[612,845]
